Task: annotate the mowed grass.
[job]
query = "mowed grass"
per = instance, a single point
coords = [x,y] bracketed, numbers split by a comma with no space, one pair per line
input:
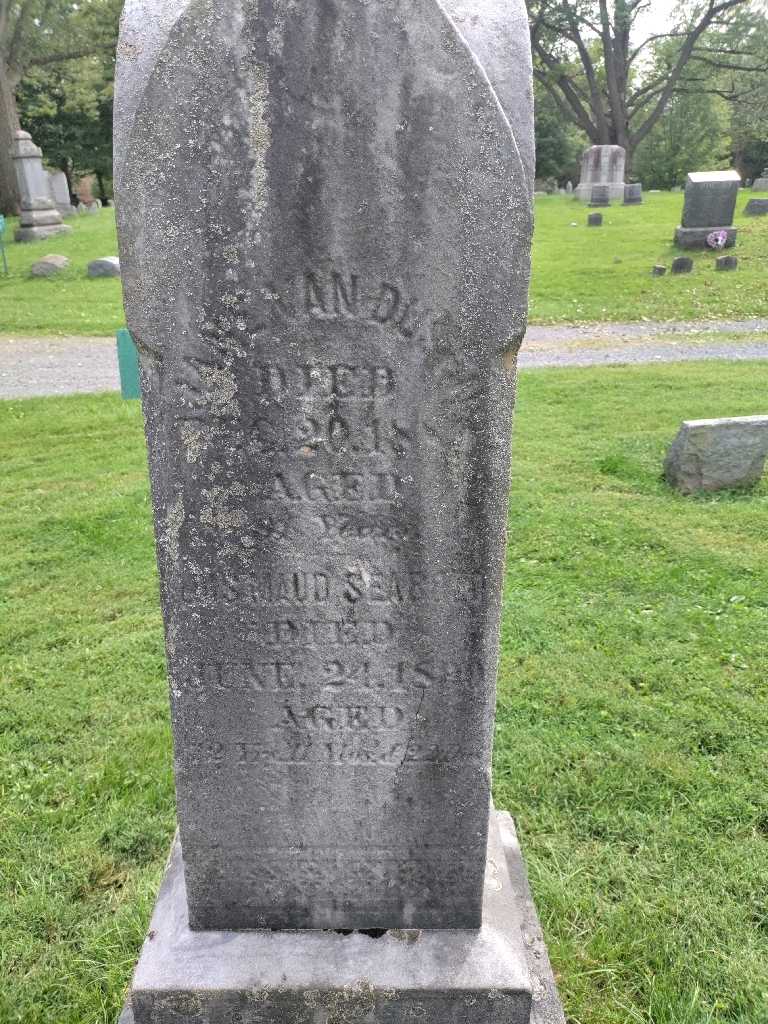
[632,715]
[580,274]
[583,274]
[70,302]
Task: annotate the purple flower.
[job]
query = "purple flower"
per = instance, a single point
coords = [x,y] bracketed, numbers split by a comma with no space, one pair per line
[717,239]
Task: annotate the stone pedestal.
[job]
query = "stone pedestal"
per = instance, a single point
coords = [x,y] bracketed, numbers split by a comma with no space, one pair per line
[496,974]
[39,216]
[602,165]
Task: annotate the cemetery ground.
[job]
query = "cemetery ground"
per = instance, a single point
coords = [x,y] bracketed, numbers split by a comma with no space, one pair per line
[632,716]
[580,274]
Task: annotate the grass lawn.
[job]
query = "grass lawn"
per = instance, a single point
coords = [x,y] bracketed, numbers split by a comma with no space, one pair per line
[632,716]
[580,274]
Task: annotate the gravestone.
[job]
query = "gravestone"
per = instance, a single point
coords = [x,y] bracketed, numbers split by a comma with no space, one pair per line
[712,455]
[726,263]
[38,217]
[59,192]
[601,196]
[708,206]
[594,220]
[633,194]
[602,165]
[569,187]
[659,270]
[682,265]
[761,184]
[756,208]
[325,218]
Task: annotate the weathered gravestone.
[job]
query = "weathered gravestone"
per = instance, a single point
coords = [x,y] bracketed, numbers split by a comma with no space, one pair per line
[633,194]
[761,184]
[39,217]
[602,165]
[726,263]
[58,189]
[682,265]
[601,196]
[325,221]
[756,208]
[104,266]
[708,207]
[710,455]
[49,266]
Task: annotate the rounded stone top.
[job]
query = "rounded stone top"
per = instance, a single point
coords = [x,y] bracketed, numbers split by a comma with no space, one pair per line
[22,136]
[610,148]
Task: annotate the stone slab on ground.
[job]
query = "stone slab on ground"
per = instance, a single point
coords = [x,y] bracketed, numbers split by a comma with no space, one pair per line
[498,974]
[49,265]
[717,454]
[105,266]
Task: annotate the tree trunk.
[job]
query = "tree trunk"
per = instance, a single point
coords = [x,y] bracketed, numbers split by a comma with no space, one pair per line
[100,183]
[9,124]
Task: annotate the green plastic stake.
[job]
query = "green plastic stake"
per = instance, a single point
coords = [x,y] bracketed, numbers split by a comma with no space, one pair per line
[2,243]
[128,361]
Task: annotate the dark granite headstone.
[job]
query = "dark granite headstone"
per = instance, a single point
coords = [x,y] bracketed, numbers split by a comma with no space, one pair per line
[726,263]
[709,205]
[325,222]
[756,208]
[600,196]
[682,265]
[594,220]
[633,194]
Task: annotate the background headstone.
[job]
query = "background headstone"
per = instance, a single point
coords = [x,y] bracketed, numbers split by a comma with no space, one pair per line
[659,270]
[682,265]
[756,208]
[726,263]
[761,184]
[633,194]
[600,196]
[602,165]
[39,217]
[325,220]
[709,205]
[711,455]
[594,220]
[569,187]
[59,192]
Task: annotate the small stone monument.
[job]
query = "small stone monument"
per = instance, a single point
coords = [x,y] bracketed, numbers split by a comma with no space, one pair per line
[659,270]
[601,196]
[726,263]
[682,265]
[633,194]
[105,266]
[324,215]
[602,165]
[594,220]
[708,208]
[756,208]
[761,184]
[569,187]
[49,266]
[713,455]
[59,193]
[39,216]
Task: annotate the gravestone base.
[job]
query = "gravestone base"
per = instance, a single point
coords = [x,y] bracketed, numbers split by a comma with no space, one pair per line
[497,974]
[34,234]
[696,238]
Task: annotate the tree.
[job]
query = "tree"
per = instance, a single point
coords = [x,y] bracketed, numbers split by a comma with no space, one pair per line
[42,34]
[558,143]
[587,60]
[68,110]
[691,135]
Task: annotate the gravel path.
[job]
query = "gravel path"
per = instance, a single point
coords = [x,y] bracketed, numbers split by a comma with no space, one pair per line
[63,366]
